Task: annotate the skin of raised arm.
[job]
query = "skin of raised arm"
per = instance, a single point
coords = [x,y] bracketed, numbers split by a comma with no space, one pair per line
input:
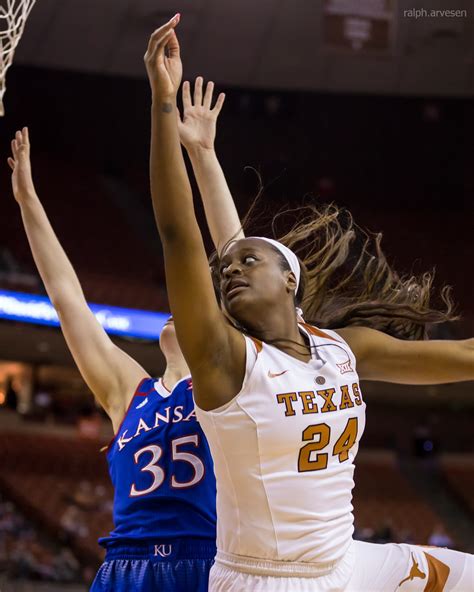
[214,351]
[108,371]
[384,358]
[197,131]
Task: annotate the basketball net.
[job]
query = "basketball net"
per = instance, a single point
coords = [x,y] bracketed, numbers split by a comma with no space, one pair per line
[13,15]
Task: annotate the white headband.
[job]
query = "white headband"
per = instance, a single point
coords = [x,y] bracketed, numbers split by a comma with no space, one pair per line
[288,254]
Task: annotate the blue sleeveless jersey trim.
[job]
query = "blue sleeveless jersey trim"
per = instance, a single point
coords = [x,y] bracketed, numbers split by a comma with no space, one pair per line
[138,391]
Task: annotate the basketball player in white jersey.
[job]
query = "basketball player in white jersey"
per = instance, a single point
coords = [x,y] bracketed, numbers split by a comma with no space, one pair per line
[280,401]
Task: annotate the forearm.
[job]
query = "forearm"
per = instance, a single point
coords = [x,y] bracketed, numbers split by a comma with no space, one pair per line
[53,265]
[440,362]
[170,188]
[382,357]
[221,213]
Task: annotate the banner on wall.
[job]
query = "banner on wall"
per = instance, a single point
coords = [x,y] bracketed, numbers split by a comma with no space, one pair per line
[127,322]
[359,25]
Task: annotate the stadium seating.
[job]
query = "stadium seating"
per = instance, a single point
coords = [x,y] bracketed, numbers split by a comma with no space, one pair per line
[42,474]
[113,263]
[382,496]
[458,473]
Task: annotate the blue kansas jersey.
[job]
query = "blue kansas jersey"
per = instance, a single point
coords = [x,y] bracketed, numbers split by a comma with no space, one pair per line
[161,469]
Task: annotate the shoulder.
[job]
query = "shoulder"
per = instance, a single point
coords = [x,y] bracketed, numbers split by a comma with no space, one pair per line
[363,340]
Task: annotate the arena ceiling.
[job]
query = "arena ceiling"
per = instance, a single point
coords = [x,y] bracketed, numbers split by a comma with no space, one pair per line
[270,44]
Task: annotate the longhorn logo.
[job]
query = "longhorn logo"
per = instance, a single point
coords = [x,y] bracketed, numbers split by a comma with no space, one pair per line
[415,572]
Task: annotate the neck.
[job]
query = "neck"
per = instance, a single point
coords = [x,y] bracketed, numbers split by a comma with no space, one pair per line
[282,331]
[174,372]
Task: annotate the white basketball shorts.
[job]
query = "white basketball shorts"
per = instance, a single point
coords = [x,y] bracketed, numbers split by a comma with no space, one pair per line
[366,567]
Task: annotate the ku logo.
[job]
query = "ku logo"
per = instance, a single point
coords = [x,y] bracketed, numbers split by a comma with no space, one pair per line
[163,550]
[345,367]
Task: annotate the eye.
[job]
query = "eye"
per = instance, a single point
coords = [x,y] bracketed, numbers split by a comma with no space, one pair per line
[249,259]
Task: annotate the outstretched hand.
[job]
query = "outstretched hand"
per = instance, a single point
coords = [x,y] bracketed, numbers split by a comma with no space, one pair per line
[163,61]
[22,180]
[197,129]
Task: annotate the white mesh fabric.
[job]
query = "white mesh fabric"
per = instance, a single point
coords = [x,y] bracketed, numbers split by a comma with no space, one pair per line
[13,15]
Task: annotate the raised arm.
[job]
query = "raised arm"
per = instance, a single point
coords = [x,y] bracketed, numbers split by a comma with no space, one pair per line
[214,351]
[197,131]
[108,371]
[382,357]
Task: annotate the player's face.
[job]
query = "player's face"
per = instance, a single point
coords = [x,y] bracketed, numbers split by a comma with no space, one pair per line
[251,280]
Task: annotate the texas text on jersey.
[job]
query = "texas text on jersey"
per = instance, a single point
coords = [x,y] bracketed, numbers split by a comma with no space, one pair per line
[298,426]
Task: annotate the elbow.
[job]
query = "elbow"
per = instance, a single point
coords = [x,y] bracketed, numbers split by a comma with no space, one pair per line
[169,233]
[468,346]
[470,349]
[180,236]
[59,303]
[64,295]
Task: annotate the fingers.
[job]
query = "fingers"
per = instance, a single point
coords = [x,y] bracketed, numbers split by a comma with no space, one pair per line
[208,95]
[162,34]
[11,162]
[22,138]
[198,91]
[199,101]
[157,49]
[162,31]
[20,144]
[219,103]
[187,95]
[172,46]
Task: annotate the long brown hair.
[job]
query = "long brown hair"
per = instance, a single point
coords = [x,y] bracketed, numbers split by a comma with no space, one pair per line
[346,279]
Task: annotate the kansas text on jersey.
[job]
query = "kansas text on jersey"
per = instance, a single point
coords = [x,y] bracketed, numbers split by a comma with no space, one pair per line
[161,468]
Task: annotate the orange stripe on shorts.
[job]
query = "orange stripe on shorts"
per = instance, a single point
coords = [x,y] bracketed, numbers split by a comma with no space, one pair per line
[438,573]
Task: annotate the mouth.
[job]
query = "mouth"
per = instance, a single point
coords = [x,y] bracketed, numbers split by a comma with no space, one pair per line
[235,288]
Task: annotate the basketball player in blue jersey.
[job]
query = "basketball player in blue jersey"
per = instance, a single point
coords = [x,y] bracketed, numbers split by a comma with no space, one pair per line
[279,400]
[159,460]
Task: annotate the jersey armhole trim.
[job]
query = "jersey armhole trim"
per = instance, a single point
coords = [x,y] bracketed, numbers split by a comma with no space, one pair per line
[258,344]
[317,332]
[160,383]
[135,394]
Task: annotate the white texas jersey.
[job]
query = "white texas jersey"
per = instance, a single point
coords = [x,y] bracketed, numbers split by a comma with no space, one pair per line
[284,452]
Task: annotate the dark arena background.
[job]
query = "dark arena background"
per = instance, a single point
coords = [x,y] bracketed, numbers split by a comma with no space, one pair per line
[367,104]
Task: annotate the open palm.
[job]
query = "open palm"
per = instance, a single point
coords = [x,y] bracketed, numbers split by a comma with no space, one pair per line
[198,126]
[22,181]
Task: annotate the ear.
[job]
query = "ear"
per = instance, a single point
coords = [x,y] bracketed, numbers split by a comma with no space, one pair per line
[291,282]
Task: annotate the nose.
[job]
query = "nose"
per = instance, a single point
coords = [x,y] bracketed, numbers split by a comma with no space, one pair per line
[233,269]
